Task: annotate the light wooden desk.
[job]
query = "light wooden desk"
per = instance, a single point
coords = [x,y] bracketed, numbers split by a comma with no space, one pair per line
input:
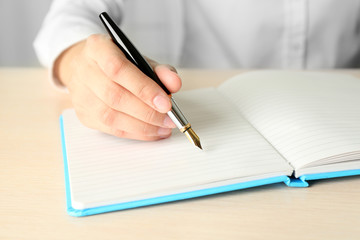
[32,194]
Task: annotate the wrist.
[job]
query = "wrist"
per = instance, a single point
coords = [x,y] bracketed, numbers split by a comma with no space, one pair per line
[64,64]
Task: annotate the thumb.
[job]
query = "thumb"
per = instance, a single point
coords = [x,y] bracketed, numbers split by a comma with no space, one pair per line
[168,77]
[167,74]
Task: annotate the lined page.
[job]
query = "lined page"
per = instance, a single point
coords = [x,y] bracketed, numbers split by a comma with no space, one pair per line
[310,118]
[104,169]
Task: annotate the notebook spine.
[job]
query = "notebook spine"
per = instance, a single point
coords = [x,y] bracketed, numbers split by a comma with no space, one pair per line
[296,182]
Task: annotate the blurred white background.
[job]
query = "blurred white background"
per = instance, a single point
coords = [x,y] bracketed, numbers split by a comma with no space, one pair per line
[20,21]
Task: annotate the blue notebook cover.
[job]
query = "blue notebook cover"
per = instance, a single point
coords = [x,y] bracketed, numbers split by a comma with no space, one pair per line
[289,181]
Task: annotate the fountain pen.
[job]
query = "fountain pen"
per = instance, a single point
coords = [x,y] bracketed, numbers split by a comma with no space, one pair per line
[134,56]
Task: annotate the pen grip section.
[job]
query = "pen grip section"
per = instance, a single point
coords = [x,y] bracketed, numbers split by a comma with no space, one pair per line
[177,116]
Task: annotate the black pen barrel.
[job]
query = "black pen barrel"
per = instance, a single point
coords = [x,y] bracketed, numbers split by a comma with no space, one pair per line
[131,53]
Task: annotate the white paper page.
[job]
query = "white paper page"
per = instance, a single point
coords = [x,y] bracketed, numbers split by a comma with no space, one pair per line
[105,170]
[306,116]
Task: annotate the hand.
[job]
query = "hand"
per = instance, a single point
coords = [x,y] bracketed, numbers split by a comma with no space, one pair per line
[112,95]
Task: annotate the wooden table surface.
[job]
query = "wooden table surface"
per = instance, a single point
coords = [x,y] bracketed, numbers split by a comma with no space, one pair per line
[32,192]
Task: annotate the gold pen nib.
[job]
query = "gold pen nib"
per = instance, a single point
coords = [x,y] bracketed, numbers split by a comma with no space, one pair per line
[193,138]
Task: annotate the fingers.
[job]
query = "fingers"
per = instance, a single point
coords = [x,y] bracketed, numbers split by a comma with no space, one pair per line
[119,123]
[95,114]
[120,99]
[116,67]
[112,95]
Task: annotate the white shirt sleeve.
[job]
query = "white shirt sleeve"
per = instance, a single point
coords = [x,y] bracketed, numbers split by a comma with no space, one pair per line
[68,22]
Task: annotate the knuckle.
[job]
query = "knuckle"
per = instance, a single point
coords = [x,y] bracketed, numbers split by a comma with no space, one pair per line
[114,66]
[107,117]
[93,40]
[119,133]
[144,91]
[90,43]
[147,130]
[115,97]
[150,116]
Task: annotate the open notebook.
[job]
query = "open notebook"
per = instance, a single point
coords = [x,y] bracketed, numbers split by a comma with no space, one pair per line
[257,128]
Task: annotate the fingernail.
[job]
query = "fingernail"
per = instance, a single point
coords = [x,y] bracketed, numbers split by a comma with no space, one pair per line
[162,103]
[164,131]
[168,122]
